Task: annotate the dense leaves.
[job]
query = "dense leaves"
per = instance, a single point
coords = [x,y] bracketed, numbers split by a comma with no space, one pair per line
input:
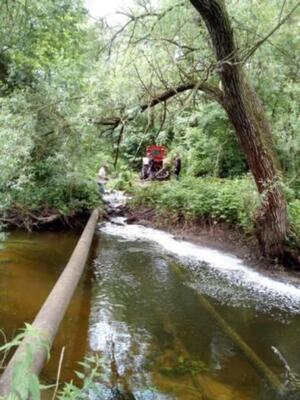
[211,200]
[64,76]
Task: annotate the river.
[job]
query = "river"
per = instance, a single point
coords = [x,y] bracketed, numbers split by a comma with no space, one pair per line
[138,307]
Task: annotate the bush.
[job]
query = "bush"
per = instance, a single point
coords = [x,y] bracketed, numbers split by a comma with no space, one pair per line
[218,200]
[64,193]
[123,180]
[294,216]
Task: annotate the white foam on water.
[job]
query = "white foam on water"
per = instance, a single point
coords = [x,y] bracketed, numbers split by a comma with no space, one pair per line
[113,339]
[115,198]
[284,294]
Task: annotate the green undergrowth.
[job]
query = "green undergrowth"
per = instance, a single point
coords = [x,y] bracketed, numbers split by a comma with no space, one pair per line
[123,180]
[63,193]
[27,385]
[26,202]
[294,218]
[213,200]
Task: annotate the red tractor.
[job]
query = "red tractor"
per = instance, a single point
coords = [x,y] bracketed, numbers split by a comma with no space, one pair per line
[153,163]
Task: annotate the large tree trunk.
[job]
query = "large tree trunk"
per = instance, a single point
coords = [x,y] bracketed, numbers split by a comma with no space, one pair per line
[246,113]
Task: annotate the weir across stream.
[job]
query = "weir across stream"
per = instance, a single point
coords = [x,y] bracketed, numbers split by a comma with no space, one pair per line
[144,319]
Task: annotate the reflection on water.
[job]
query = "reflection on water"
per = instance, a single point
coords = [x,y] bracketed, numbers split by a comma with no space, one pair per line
[29,268]
[158,342]
[144,318]
[214,267]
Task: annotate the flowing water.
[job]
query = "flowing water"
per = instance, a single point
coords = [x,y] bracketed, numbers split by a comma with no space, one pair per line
[142,307]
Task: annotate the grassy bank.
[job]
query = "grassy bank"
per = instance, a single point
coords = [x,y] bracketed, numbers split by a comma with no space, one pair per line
[209,200]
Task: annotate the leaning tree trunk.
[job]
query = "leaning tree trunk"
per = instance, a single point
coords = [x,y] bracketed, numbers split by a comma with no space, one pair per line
[246,113]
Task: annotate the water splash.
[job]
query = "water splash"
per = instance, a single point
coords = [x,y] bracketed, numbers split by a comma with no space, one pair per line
[213,267]
[115,198]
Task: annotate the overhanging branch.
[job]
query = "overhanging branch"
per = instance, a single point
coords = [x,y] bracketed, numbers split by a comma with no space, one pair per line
[266,38]
[212,92]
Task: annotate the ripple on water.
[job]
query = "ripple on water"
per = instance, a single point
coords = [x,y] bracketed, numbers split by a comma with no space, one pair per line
[220,275]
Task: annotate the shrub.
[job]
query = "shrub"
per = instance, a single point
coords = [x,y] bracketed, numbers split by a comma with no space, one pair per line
[123,180]
[218,200]
[294,217]
[64,193]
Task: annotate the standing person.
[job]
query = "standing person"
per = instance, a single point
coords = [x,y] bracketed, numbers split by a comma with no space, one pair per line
[145,168]
[177,166]
[102,178]
[151,169]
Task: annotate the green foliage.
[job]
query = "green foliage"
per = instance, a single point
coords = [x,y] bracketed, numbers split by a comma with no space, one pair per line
[207,143]
[43,143]
[211,199]
[294,217]
[123,180]
[65,194]
[35,36]
[25,384]
[50,157]
[40,171]
[92,372]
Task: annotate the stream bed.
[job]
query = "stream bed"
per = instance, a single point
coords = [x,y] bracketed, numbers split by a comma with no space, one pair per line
[138,307]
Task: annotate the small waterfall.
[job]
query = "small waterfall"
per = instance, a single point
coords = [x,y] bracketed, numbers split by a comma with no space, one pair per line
[233,280]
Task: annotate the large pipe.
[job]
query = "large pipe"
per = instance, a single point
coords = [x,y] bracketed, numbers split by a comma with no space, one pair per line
[53,310]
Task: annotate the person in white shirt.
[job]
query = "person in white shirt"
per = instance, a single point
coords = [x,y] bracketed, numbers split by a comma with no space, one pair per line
[102,178]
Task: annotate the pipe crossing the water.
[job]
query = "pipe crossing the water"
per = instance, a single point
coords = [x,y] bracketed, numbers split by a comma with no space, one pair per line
[53,310]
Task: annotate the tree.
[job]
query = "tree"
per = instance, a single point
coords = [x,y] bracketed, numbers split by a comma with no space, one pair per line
[237,97]
[253,130]
[35,37]
[46,146]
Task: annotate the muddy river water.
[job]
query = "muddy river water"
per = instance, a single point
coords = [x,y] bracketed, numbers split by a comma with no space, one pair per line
[138,307]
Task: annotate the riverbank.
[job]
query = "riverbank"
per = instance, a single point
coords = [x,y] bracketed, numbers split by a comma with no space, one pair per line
[48,205]
[19,218]
[216,236]
[218,212]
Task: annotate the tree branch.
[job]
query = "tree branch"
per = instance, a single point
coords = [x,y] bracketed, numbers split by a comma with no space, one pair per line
[264,39]
[118,144]
[135,18]
[211,91]
[162,97]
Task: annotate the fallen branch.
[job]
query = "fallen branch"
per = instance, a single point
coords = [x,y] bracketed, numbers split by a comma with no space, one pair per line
[140,215]
[251,356]
[58,373]
[22,218]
